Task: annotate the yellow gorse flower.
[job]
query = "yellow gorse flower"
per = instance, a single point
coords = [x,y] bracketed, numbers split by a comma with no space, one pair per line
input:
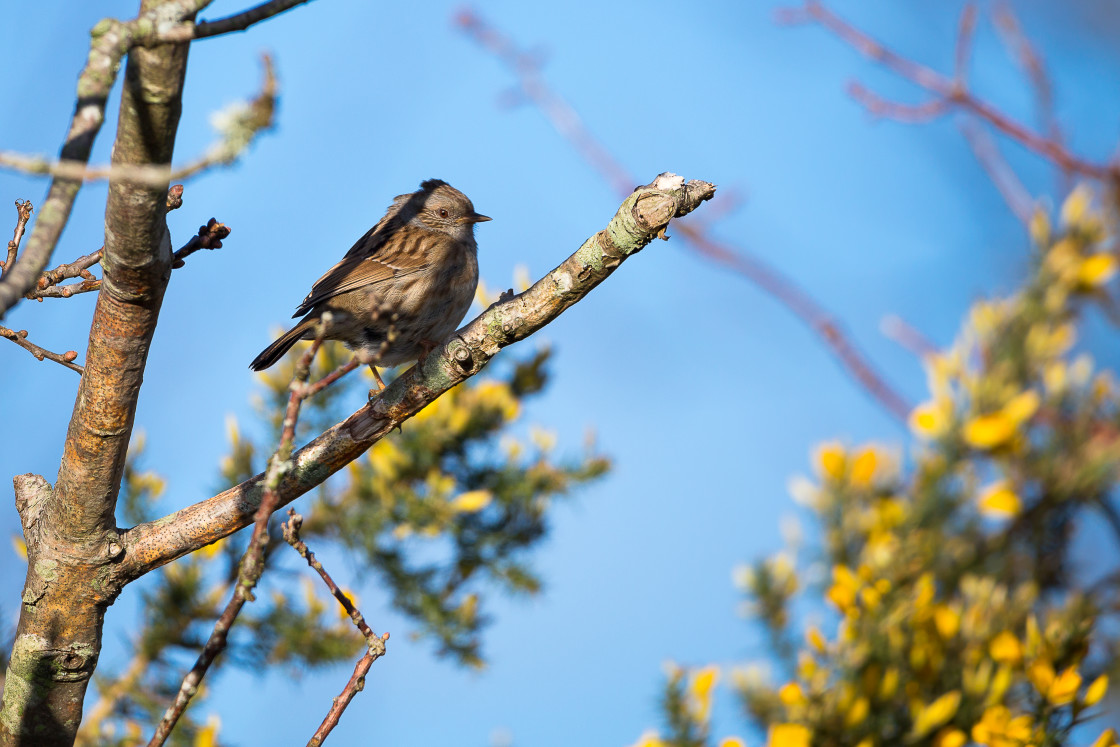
[1096,270]
[789,735]
[832,461]
[950,737]
[863,467]
[471,502]
[1106,739]
[791,694]
[930,419]
[1096,690]
[701,683]
[995,429]
[937,713]
[1005,648]
[997,728]
[1000,501]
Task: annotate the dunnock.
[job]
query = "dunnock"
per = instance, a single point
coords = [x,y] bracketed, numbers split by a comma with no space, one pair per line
[402,288]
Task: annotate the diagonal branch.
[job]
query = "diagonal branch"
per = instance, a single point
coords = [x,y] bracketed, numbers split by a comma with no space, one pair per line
[375,644]
[951,91]
[568,124]
[642,216]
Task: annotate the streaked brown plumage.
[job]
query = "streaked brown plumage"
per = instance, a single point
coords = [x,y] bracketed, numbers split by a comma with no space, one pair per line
[402,288]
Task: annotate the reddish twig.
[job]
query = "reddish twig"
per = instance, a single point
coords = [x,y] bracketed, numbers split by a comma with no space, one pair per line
[1031,61]
[252,562]
[375,643]
[984,147]
[965,31]
[877,106]
[354,686]
[23,211]
[332,377]
[898,329]
[952,91]
[568,123]
[20,338]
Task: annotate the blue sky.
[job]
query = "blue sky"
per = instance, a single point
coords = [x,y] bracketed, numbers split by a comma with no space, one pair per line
[708,395]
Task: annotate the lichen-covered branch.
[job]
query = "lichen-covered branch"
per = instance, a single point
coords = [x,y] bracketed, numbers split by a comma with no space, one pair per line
[642,216]
[111,40]
[241,123]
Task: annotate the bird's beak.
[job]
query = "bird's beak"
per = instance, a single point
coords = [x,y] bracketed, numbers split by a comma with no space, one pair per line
[474,218]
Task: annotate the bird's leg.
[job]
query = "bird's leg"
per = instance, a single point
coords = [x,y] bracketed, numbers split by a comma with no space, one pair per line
[377,378]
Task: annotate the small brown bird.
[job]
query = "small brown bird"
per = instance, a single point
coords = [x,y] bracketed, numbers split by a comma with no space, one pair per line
[402,288]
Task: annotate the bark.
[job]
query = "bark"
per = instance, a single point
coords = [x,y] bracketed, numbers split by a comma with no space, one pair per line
[71,534]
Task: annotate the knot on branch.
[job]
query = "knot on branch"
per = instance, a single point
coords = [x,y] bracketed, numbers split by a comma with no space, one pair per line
[32,495]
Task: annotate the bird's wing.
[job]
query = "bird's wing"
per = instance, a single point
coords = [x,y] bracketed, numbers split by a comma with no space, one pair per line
[382,258]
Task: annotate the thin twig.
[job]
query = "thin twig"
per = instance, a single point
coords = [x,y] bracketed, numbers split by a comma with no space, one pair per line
[338,373]
[898,329]
[965,31]
[23,212]
[66,291]
[291,529]
[238,22]
[1014,193]
[949,90]
[252,561]
[375,643]
[1031,61]
[63,359]
[569,125]
[354,686]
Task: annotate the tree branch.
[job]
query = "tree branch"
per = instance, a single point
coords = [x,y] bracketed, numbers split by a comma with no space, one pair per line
[642,216]
[568,124]
[952,92]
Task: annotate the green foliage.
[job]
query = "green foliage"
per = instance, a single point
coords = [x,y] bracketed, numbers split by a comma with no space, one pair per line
[956,614]
[443,512]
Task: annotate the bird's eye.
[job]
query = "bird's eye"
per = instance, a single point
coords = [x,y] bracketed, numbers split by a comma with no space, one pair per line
[443,212]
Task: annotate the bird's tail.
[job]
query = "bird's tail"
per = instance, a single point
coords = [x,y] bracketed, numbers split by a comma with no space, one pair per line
[283,344]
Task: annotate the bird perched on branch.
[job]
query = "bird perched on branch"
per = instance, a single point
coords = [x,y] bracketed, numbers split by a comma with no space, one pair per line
[402,288]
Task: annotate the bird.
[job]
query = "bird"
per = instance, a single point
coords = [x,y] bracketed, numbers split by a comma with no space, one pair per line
[401,289]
